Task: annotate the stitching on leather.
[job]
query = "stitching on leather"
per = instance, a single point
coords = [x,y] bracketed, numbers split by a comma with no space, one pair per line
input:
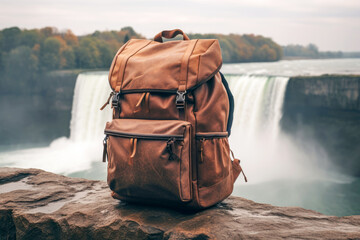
[187,64]
[190,179]
[227,178]
[126,61]
[115,60]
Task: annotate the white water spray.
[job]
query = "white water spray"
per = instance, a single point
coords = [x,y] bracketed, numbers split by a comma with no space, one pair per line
[256,138]
[258,104]
[84,146]
[87,122]
[266,152]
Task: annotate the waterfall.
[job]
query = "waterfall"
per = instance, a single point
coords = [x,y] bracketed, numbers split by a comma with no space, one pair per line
[87,122]
[258,104]
[84,146]
[256,135]
[266,152]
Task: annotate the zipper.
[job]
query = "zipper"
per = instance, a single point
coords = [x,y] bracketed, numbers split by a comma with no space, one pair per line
[170,91]
[144,136]
[115,101]
[202,137]
[105,148]
[170,144]
[170,147]
[211,135]
[201,149]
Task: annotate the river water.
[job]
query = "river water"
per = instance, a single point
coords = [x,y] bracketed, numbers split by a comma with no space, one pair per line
[279,171]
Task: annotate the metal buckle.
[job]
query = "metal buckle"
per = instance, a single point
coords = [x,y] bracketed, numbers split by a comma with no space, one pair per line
[115,100]
[180,99]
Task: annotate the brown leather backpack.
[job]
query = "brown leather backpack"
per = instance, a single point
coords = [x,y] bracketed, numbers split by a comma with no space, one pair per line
[172,113]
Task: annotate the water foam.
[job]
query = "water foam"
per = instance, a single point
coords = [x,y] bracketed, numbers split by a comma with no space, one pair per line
[84,146]
[257,139]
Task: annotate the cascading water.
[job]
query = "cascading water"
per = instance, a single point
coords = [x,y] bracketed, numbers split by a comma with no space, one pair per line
[87,122]
[266,152]
[84,146]
[258,104]
[256,136]
[282,170]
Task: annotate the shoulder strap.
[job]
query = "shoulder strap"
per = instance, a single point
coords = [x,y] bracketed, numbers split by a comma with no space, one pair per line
[231,103]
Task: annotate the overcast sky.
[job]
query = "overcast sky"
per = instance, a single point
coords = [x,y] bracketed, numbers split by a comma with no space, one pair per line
[330,24]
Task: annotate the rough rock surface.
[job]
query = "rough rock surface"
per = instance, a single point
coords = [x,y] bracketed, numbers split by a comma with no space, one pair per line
[35,204]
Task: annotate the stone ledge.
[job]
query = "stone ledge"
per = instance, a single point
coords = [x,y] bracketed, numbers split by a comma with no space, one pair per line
[35,204]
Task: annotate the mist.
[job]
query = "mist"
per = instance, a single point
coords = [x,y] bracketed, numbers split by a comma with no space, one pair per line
[76,153]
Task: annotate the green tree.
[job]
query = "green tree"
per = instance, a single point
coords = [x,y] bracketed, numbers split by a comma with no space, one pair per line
[129,30]
[87,54]
[126,38]
[10,38]
[69,56]
[309,51]
[21,67]
[245,48]
[30,38]
[48,31]
[105,54]
[50,57]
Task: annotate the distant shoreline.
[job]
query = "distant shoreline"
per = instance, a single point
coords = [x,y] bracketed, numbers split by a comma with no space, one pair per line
[308,58]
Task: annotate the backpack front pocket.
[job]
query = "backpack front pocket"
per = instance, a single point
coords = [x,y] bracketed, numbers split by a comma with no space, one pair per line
[214,167]
[149,159]
[213,157]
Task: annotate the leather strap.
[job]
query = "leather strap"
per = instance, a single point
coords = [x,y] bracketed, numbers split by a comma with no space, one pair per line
[231,103]
[170,34]
[184,75]
[123,59]
[107,101]
[185,65]
[113,64]
[144,98]
[236,165]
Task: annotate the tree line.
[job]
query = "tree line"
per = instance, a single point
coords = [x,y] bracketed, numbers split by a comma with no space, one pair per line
[27,54]
[245,48]
[312,51]
[49,49]
[237,48]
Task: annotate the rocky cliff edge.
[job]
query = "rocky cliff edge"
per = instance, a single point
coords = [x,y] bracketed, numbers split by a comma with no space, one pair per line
[35,204]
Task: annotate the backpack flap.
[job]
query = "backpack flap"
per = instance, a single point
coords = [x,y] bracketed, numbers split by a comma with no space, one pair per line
[174,65]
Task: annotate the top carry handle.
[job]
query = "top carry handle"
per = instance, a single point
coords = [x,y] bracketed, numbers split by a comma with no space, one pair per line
[170,34]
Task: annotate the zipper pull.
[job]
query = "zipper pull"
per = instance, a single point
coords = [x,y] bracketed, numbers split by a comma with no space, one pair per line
[170,147]
[133,142]
[201,149]
[105,148]
[107,101]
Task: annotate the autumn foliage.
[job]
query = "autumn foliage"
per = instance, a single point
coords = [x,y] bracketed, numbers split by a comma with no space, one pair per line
[50,49]
[245,48]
